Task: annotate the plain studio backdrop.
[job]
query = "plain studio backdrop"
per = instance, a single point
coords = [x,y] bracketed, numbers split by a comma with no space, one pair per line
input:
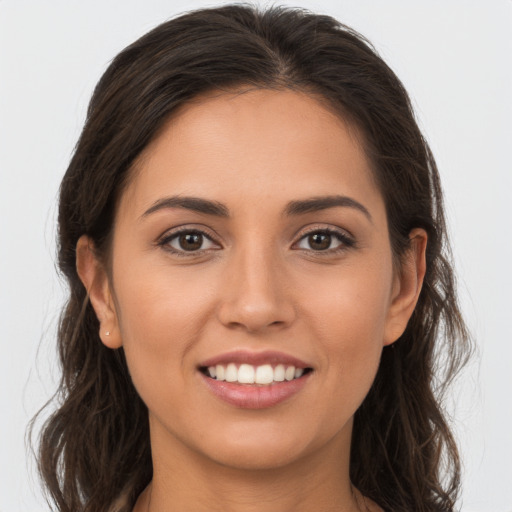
[454,58]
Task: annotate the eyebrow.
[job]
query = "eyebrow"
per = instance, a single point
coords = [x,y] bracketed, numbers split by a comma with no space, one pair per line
[293,208]
[195,204]
[316,204]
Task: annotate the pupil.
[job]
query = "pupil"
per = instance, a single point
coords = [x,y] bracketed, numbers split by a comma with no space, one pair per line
[191,241]
[320,241]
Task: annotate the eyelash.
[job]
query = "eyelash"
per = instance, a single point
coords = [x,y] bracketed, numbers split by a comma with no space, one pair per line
[346,241]
[166,240]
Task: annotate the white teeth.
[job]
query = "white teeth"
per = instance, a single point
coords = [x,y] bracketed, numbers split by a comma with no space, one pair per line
[264,374]
[279,373]
[289,374]
[231,373]
[247,374]
[221,373]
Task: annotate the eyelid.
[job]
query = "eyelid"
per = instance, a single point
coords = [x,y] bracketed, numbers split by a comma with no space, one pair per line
[344,236]
[170,234]
[326,228]
[347,239]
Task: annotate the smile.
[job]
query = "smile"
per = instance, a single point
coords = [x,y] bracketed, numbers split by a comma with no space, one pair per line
[263,375]
[255,380]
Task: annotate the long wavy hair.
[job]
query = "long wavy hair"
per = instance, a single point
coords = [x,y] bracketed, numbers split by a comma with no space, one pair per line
[94,450]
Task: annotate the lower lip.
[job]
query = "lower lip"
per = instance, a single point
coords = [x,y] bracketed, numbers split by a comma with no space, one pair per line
[249,396]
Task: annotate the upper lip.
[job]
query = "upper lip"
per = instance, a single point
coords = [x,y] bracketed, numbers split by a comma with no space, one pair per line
[255,358]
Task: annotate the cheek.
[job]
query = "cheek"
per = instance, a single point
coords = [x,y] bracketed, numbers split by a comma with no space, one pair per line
[349,314]
[160,318]
[156,301]
[354,346]
[351,307]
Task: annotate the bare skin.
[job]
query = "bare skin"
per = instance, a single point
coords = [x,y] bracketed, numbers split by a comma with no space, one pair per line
[288,251]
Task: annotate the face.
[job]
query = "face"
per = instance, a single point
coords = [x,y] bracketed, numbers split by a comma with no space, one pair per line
[252,282]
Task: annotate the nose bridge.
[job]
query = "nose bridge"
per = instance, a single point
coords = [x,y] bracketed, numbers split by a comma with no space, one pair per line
[255,297]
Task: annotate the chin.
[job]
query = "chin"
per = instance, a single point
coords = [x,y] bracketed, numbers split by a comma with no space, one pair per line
[257,458]
[264,448]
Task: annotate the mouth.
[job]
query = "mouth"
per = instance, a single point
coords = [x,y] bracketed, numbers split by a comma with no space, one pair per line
[250,380]
[260,375]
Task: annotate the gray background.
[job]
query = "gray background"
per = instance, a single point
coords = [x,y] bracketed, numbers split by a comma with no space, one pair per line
[454,58]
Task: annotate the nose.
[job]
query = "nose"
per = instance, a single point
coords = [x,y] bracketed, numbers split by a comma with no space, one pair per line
[256,296]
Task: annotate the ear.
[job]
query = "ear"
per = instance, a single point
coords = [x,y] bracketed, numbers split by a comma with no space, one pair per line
[94,277]
[407,286]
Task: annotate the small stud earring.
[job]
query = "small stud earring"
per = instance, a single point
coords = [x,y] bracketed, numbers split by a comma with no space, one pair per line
[107,333]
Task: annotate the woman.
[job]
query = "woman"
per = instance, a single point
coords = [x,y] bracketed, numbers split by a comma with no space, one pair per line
[253,233]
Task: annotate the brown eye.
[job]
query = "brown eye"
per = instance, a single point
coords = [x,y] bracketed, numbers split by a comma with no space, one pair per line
[190,241]
[319,241]
[326,240]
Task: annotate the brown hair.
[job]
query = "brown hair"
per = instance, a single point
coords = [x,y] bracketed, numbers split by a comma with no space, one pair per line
[95,447]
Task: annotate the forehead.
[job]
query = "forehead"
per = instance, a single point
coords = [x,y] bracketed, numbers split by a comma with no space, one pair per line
[256,143]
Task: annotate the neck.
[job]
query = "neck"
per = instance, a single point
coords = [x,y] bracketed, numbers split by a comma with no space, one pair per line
[184,480]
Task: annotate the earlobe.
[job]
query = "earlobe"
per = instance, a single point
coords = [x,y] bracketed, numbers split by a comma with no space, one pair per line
[94,277]
[407,286]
